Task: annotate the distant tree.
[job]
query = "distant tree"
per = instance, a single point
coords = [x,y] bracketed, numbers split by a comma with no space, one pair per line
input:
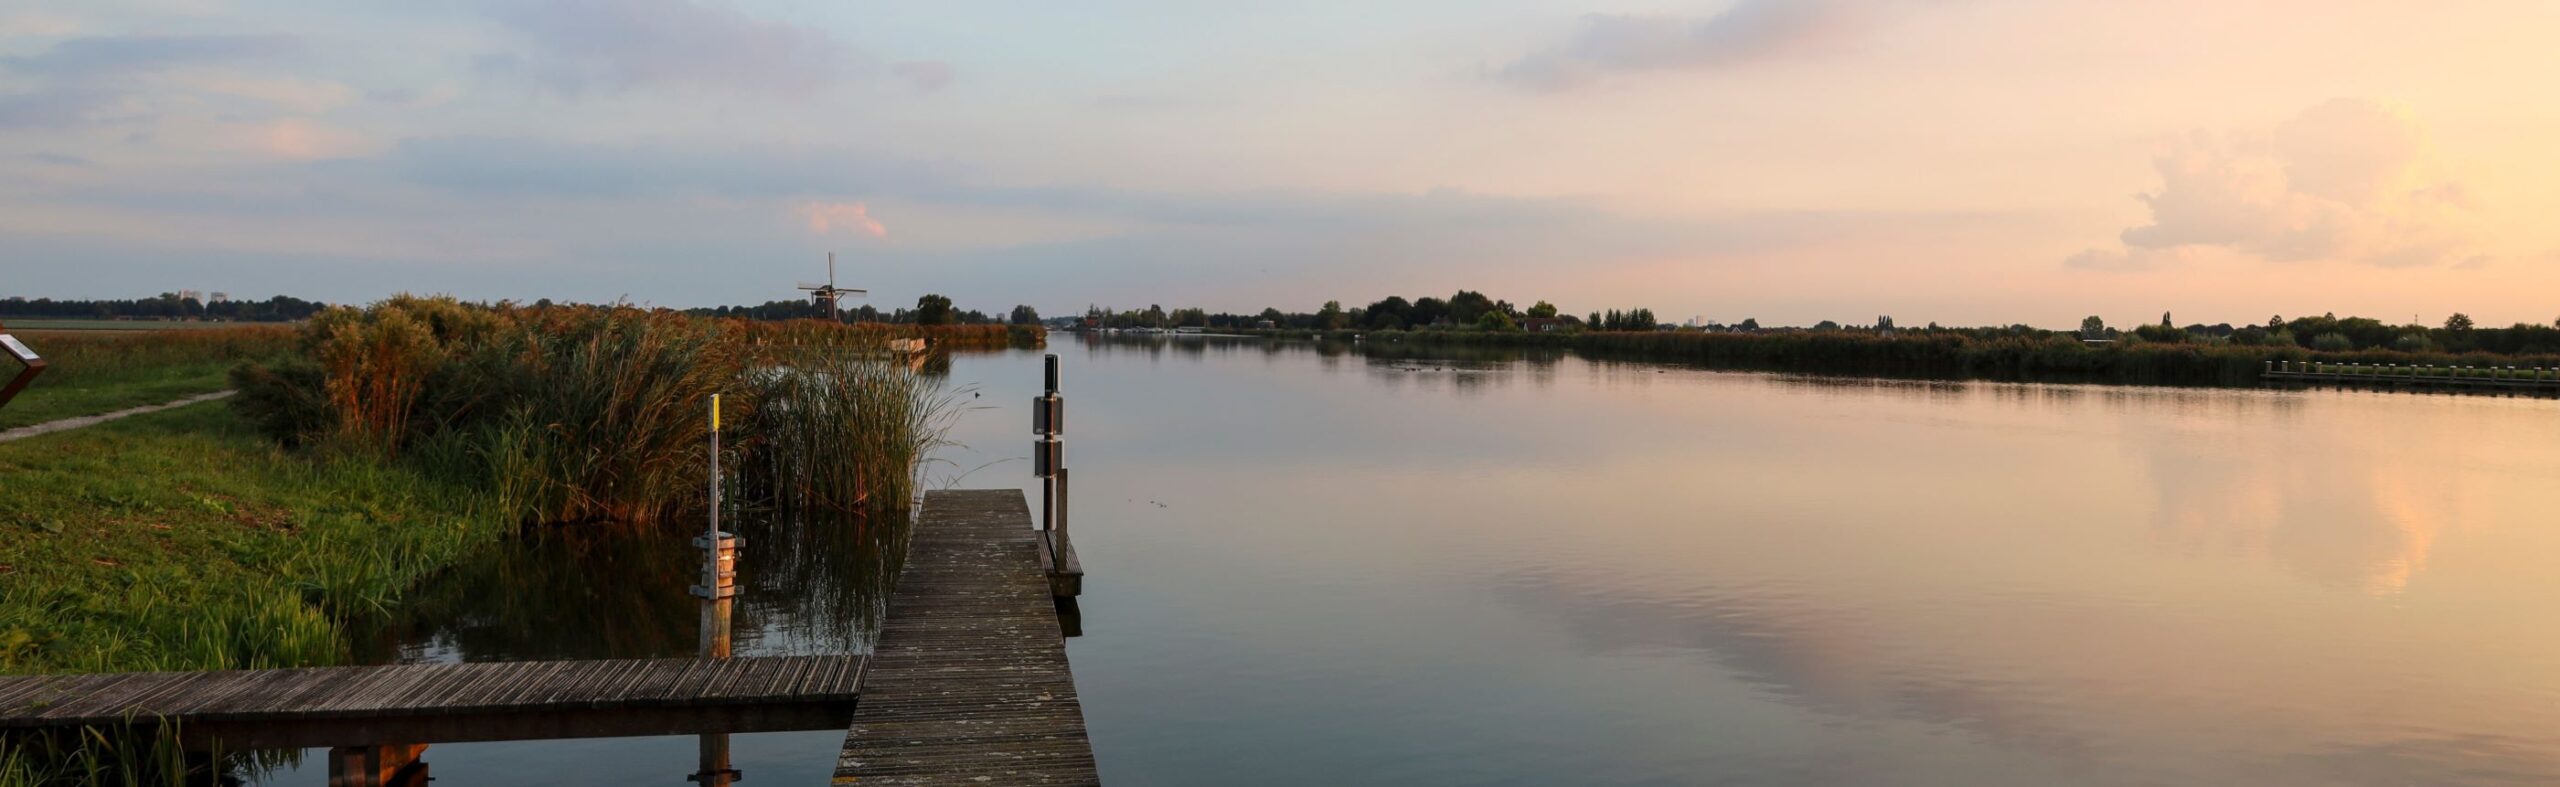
[1331,317]
[2093,327]
[1464,306]
[1274,316]
[2275,323]
[2165,322]
[1495,320]
[2458,323]
[1595,322]
[1543,309]
[1884,322]
[2164,333]
[2332,343]
[1025,315]
[933,310]
[1388,313]
[1426,311]
[2412,343]
[1826,325]
[1749,324]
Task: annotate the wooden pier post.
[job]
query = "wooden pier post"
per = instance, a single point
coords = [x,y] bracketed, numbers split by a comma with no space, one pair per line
[719,587]
[388,765]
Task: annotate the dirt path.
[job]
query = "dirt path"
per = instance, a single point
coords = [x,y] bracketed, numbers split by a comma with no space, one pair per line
[50,427]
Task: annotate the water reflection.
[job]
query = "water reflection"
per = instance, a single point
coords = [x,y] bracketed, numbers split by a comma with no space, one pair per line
[1354,562]
[1513,567]
[811,585]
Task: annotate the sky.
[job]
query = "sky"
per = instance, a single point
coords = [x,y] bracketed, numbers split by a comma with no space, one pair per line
[1955,161]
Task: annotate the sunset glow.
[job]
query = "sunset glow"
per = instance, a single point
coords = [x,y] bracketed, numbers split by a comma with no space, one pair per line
[1966,161]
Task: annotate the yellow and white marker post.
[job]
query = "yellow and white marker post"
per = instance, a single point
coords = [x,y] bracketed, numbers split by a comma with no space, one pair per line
[719,586]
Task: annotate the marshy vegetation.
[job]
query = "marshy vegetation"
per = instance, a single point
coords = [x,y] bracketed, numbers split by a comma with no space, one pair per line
[370,449]
[579,414]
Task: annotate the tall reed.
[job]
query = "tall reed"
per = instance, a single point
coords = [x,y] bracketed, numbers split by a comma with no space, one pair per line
[598,413]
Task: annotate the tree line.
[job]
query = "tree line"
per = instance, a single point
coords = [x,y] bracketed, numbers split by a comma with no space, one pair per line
[165,306]
[2331,333]
[1463,310]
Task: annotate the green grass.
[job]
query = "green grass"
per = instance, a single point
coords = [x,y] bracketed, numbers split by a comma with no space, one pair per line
[185,540]
[105,371]
[20,325]
[142,386]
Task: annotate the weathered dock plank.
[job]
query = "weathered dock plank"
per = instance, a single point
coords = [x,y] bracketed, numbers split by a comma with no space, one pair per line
[438,703]
[969,682]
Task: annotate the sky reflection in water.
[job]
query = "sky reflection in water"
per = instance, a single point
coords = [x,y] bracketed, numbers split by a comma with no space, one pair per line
[1315,565]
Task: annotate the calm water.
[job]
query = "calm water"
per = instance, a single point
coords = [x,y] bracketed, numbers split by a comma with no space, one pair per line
[1320,567]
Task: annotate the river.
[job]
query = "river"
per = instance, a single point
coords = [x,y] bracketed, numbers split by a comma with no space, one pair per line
[1307,565]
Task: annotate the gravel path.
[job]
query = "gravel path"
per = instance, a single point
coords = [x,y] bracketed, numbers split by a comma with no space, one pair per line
[49,427]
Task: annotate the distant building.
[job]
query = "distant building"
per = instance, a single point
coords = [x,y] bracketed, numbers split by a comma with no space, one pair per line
[1542,324]
[220,297]
[1265,324]
[191,295]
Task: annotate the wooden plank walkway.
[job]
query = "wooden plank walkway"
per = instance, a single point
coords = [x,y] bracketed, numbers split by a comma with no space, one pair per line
[437,703]
[968,683]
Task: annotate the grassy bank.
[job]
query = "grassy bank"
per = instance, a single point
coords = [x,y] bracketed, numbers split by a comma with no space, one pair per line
[373,447]
[97,372]
[186,540]
[1925,354]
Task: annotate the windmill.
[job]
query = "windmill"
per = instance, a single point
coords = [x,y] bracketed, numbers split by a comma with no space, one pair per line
[825,295]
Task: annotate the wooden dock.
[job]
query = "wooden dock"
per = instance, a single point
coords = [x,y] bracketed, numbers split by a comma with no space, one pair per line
[440,703]
[968,683]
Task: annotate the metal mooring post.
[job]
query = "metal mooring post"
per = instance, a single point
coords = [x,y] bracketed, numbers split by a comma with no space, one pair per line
[1048,420]
[1049,462]
[719,586]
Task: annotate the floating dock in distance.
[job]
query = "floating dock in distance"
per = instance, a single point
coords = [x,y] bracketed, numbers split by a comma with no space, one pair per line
[968,683]
[2526,380]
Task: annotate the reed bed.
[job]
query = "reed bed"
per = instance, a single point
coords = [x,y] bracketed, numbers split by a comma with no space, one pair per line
[575,414]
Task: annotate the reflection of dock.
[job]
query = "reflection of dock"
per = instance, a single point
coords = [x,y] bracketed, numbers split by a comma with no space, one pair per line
[441,703]
[969,682]
[2469,379]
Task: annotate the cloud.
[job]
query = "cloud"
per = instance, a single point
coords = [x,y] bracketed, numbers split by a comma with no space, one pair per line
[519,166]
[826,217]
[2345,181]
[84,80]
[98,56]
[304,140]
[581,45]
[924,74]
[1750,31]
[2127,259]
[36,25]
[56,107]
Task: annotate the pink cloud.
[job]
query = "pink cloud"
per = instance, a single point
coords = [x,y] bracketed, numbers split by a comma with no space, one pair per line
[826,217]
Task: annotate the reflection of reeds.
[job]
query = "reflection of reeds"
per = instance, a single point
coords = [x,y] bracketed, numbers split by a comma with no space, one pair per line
[821,457]
[110,756]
